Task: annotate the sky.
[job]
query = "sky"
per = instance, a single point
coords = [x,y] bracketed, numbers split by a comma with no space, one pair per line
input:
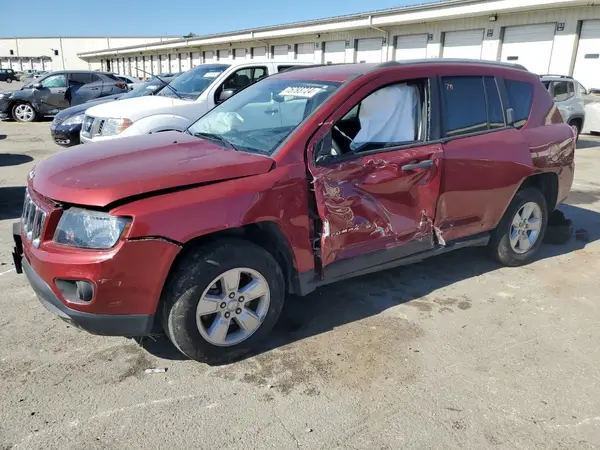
[155,17]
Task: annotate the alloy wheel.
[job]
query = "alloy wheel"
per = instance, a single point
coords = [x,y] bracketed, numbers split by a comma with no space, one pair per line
[525,227]
[24,112]
[233,307]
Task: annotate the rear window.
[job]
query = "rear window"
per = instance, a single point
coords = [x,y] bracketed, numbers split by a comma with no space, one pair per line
[520,96]
[111,76]
[481,112]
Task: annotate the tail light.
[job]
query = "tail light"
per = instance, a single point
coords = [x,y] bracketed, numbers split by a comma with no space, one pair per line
[121,86]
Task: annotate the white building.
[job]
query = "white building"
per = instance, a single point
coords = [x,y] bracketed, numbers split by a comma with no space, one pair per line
[56,53]
[546,36]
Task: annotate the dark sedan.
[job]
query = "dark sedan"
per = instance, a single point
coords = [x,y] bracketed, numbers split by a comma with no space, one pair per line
[66,126]
[50,94]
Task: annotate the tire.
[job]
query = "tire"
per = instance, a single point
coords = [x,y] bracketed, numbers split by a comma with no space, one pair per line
[500,245]
[9,80]
[24,112]
[189,282]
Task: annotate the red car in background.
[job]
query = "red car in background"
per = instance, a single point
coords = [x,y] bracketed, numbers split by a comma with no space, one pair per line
[302,179]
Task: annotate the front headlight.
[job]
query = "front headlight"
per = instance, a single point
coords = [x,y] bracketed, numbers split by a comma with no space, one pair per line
[2,96]
[113,127]
[89,229]
[74,120]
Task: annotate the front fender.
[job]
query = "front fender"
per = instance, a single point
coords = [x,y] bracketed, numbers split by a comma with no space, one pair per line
[26,95]
[279,196]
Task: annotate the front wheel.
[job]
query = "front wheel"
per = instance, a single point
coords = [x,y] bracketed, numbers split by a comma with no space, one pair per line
[24,112]
[521,231]
[9,80]
[221,300]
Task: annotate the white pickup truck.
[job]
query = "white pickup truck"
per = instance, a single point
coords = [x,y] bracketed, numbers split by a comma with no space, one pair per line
[193,94]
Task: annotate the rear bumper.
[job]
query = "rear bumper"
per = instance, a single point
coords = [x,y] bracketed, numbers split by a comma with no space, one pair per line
[102,324]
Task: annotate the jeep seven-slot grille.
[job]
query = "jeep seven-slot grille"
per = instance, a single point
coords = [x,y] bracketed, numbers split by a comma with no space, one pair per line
[33,220]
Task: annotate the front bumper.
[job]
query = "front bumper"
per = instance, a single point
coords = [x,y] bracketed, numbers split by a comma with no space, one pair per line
[66,136]
[102,324]
[127,282]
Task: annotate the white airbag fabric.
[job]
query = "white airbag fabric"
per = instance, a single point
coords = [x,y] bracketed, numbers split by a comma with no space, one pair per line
[388,115]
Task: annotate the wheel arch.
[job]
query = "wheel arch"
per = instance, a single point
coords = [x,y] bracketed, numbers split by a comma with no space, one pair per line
[267,235]
[547,183]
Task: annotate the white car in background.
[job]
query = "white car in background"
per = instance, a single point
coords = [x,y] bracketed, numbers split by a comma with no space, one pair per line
[187,98]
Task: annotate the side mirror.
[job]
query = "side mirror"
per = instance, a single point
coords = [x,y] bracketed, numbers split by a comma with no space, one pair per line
[37,86]
[226,93]
[510,117]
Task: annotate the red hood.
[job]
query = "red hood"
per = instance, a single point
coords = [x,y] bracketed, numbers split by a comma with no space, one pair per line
[100,173]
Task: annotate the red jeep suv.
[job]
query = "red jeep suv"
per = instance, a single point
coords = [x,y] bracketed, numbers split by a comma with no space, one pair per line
[302,179]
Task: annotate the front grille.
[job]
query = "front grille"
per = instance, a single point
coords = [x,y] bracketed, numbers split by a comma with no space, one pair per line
[33,220]
[100,125]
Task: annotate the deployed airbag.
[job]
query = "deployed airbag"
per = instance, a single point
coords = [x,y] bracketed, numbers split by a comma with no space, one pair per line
[388,115]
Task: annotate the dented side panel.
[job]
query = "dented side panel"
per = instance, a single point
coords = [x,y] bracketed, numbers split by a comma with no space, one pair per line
[370,203]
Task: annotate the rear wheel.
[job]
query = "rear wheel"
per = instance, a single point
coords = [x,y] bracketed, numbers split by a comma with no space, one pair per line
[9,80]
[221,300]
[521,231]
[24,112]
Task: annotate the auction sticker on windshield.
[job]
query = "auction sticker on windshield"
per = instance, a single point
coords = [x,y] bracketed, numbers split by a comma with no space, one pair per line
[300,91]
[212,74]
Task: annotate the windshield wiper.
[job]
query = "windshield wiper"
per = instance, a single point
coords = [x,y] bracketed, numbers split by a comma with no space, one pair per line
[215,137]
[163,81]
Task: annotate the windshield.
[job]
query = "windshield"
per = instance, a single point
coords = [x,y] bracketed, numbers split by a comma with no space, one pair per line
[191,84]
[147,88]
[261,116]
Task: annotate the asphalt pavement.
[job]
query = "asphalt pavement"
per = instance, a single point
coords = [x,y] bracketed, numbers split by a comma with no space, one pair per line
[454,352]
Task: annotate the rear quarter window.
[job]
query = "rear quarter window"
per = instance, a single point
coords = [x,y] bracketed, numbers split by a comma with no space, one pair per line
[520,96]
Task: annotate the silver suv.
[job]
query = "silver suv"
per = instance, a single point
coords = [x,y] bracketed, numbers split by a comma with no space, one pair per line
[568,96]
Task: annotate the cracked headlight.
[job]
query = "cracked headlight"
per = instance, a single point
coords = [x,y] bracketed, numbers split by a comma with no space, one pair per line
[112,127]
[90,229]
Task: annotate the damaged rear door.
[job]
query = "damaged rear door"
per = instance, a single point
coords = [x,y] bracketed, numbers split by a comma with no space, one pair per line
[376,177]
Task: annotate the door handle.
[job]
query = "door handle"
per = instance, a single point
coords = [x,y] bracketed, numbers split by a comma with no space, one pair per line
[419,165]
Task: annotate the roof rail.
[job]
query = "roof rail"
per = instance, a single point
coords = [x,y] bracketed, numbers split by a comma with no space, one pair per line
[452,61]
[556,75]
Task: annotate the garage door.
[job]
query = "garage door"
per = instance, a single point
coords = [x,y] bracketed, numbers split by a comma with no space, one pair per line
[223,55]
[587,61]
[335,52]
[305,52]
[529,45]
[15,65]
[239,53]
[280,52]
[185,61]
[196,59]
[37,64]
[27,64]
[173,62]
[369,50]
[155,65]
[209,56]
[411,47]
[147,66]
[164,63]
[259,53]
[463,44]
[47,63]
